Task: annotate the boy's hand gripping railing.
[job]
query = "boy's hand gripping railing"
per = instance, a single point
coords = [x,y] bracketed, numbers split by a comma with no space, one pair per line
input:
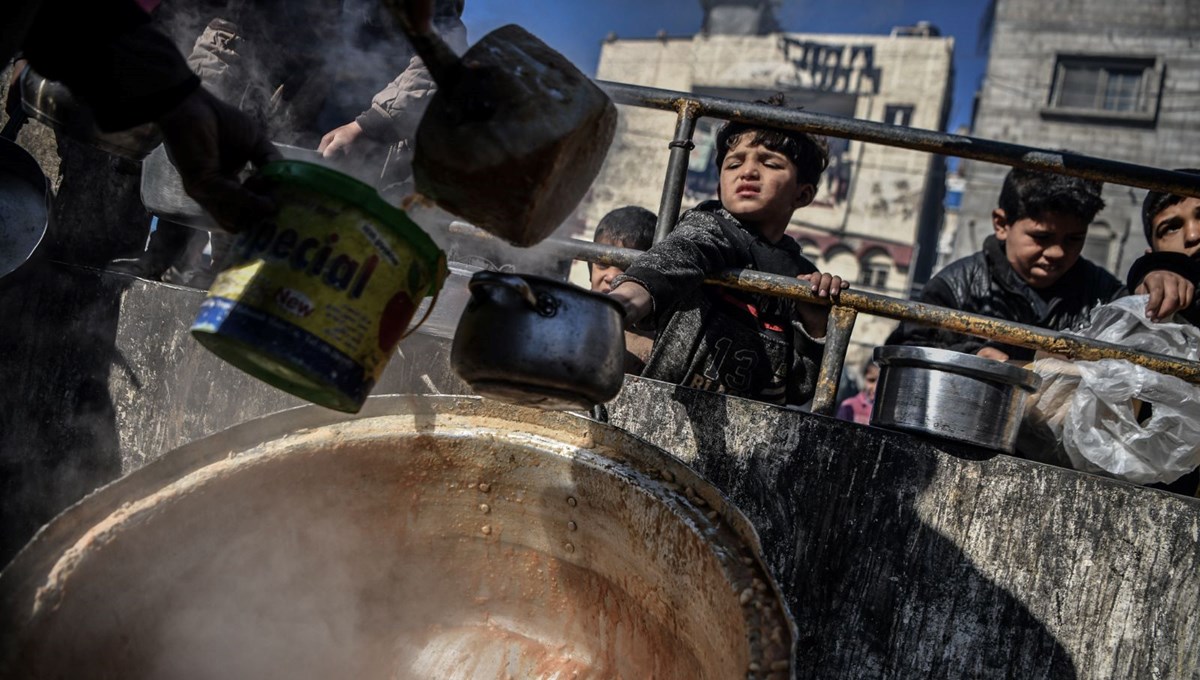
[852,302]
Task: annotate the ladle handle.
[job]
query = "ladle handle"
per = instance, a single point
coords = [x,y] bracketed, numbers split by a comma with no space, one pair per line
[518,285]
[414,17]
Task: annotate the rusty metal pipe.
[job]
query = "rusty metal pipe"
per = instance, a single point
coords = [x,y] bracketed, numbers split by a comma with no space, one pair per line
[930,141]
[837,341]
[1009,332]
[1022,335]
[681,148]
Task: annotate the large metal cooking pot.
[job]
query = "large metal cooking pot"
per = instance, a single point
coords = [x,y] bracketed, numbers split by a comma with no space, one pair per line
[961,397]
[535,341]
[440,538]
[51,103]
[25,199]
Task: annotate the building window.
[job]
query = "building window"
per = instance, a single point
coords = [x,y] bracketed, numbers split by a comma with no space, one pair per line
[897,115]
[874,274]
[1117,87]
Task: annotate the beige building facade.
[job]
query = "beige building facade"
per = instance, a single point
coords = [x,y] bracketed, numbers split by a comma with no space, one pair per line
[875,203]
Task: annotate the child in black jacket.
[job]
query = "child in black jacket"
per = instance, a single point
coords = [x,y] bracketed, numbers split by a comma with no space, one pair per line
[1030,271]
[1170,272]
[722,340]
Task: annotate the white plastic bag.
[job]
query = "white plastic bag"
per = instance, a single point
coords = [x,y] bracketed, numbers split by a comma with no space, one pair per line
[1089,407]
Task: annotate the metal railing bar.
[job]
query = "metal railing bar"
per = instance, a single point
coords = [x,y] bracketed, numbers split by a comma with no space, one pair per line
[1022,335]
[837,341]
[1015,155]
[677,166]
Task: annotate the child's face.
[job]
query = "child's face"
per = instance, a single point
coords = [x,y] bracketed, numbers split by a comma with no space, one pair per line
[1041,250]
[1176,228]
[870,381]
[602,276]
[758,185]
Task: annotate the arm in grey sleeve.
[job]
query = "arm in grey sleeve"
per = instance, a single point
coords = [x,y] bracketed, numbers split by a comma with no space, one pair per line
[397,109]
[215,59]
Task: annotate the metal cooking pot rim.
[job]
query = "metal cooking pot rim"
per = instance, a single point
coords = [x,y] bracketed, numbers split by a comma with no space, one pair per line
[570,289]
[957,362]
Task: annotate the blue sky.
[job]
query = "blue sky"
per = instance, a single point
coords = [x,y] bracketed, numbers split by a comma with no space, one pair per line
[577,28]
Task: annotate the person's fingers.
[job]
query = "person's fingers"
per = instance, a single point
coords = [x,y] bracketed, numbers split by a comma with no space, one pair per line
[992,353]
[338,145]
[1174,298]
[836,286]
[327,139]
[1170,301]
[1154,287]
[1187,295]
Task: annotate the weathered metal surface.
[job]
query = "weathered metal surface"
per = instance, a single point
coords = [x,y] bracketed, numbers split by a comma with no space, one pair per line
[902,558]
[930,141]
[429,538]
[519,341]
[1023,335]
[955,396]
[677,168]
[837,339]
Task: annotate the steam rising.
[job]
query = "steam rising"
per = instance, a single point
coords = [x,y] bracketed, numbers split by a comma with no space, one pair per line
[361,51]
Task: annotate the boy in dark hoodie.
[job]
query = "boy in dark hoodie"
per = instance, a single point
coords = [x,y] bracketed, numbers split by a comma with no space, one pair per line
[723,340]
[1170,271]
[1030,271]
[627,227]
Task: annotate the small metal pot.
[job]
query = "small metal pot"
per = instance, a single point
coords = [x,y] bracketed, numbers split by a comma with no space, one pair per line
[535,341]
[956,396]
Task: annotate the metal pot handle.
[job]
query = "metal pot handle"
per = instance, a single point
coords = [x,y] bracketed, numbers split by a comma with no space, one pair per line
[428,311]
[514,283]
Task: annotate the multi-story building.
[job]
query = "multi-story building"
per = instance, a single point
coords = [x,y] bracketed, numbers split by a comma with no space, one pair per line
[875,204]
[1107,78]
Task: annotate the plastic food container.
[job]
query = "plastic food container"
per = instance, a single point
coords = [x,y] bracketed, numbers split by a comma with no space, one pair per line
[315,299]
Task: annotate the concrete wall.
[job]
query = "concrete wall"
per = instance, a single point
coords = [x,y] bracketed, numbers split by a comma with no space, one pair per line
[1028,36]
